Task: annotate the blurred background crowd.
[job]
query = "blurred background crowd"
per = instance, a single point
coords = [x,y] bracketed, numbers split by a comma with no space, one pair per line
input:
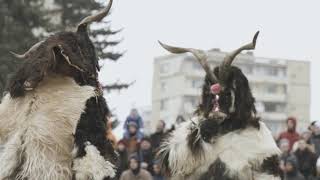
[137,150]
[300,151]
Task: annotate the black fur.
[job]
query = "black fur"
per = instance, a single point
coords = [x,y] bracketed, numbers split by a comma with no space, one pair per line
[92,128]
[69,54]
[163,157]
[208,129]
[217,171]
[48,58]
[271,166]
[244,114]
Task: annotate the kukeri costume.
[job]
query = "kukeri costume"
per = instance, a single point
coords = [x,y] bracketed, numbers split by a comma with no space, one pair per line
[53,119]
[225,140]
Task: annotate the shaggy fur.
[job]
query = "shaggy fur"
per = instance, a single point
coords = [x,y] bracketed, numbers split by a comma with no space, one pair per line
[217,170]
[43,122]
[244,114]
[93,165]
[91,129]
[10,157]
[241,150]
[271,165]
[225,140]
[55,109]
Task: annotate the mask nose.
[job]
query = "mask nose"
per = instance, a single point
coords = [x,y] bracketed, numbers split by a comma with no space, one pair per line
[215,89]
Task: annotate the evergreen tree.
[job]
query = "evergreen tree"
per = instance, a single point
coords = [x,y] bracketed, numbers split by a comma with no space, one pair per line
[22,20]
[19,20]
[71,14]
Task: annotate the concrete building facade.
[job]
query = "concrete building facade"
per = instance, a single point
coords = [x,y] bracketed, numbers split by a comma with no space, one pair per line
[281,87]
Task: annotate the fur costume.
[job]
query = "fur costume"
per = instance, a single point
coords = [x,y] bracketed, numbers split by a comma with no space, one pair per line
[53,120]
[225,140]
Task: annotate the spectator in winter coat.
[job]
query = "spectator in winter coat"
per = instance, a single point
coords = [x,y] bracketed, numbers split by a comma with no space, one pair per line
[157,171]
[122,162]
[292,170]
[315,139]
[158,136]
[134,117]
[285,154]
[135,172]
[306,159]
[306,135]
[133,138]
[290,133]
[146,155]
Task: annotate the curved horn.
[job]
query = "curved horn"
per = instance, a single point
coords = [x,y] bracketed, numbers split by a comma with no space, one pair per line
[96,17]
[227,61]
[26,54]
[199,54]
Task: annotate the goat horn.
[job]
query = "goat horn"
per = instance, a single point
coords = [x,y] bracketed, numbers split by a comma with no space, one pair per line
[227,61]
[26,54]
[199,54]
[97,17]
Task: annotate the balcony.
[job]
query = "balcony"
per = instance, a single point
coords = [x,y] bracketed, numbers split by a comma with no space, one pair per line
[264,79]
[273,116]
[270,97]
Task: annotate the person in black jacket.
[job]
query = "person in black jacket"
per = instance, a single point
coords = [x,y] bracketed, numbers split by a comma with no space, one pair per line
[306,159]
[292,170]
[122,163]
[146,155]
[158,136]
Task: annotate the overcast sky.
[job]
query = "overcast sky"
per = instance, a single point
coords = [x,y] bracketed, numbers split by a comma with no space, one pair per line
[289,29]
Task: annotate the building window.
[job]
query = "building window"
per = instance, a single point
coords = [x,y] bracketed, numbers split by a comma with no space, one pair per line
[164,68]
[271,88]
[274,88]
[193,101]
[269,71]
[274,107]
[272,71]
[282,72]
[196,83]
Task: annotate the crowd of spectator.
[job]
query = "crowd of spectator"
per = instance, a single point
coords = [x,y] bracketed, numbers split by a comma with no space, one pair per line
[299,159]
[300,152]
[137,151]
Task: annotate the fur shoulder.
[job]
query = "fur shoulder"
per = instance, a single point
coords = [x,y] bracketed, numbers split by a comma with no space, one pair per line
[55,96]
[237,149]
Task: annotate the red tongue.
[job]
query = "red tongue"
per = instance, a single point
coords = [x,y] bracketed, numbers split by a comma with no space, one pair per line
[215,88]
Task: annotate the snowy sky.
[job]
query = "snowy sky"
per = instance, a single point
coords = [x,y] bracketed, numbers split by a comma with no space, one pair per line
[288,29]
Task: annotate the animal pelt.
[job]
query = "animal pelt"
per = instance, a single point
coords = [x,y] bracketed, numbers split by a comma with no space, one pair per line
[91,145]
[37,131]
[236,101]
[241,154]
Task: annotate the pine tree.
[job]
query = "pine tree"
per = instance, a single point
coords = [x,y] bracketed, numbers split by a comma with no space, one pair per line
[22,20]
[19,20]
